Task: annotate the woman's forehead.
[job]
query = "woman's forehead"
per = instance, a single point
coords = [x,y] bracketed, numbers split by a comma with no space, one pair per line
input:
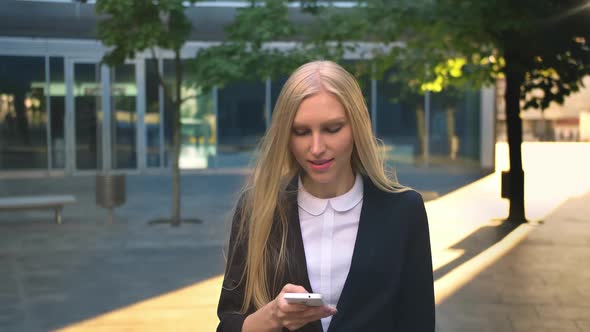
[319,113]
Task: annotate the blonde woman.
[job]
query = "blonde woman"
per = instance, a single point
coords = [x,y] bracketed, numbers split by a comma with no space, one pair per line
[320,215]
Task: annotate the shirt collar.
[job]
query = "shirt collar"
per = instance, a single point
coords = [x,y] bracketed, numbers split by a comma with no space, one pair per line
[316,206]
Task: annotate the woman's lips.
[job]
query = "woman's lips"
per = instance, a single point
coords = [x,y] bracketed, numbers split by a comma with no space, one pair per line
[320,165]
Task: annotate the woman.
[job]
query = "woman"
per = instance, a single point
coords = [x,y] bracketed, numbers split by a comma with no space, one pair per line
[319,214]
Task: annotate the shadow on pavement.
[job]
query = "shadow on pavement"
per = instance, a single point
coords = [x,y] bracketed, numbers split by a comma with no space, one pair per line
[474,244]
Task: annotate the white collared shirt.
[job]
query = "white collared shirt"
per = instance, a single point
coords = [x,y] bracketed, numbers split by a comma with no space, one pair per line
[329,228]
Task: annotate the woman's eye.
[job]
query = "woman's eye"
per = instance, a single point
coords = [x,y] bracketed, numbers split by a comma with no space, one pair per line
[300,132]
[333,129]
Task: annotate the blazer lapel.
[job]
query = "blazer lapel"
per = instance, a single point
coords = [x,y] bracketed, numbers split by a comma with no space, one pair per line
[362,246]
[297,261]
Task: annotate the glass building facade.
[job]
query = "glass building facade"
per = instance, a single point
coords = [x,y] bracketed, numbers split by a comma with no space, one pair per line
[23,113]
[62,110]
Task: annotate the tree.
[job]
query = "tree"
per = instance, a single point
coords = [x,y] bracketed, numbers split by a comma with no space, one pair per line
[542,48]
[248,52]
[133,26]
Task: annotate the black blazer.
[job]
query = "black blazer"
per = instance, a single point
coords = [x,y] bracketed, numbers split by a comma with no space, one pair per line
[389,286]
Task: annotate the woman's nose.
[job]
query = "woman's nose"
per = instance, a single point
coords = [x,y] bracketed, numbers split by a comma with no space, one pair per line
[318,146]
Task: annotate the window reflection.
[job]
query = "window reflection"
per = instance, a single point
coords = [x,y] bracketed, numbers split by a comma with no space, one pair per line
[57,91]
[198,121]
[241,121]
[275,89]
[152,117]
[23,116]
[123,117]
[399,121]
[454,127]
[88,115]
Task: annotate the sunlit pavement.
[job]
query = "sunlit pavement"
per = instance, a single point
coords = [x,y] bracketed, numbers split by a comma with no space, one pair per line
[188,309]
[554,173]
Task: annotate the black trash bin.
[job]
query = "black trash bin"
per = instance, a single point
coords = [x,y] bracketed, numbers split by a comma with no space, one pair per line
[110,191]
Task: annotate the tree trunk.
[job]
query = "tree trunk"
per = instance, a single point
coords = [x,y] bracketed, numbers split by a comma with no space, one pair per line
[176,217]
[452,139]
[421,128]
[514,80]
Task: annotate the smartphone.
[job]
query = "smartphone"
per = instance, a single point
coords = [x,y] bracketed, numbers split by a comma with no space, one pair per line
[309,299]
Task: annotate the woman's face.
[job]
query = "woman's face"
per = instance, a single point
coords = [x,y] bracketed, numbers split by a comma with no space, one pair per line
[322,143]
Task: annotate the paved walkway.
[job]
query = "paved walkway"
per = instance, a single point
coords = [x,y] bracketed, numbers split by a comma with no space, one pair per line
[534,277]
[535,281]
[56,276]
[543,284]
[88,276]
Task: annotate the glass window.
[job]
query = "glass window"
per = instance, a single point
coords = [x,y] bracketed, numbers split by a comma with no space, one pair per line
[123,117]
[455,127]
[170,79]
[275,89]
[361,71]
[57,92]
[197,118]
[88,115]
[241,121]
[399,122]
[152,116]
[23,115]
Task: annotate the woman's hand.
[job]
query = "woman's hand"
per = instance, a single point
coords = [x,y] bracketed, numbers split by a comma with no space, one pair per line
[294,316]
[278,313]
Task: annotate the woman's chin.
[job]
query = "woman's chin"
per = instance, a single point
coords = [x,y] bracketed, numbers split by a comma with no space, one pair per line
[321,178]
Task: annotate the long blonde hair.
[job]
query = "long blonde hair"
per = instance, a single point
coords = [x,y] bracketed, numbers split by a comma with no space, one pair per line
[263,203]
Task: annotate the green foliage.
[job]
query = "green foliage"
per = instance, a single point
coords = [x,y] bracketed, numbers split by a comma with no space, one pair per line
[131,26]
[245,54]
[420,49]
[549,40]
[260,23]
[334,31]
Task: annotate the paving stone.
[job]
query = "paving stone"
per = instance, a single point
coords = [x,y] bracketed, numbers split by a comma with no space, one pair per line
[490,310]
[574,297]
[526,325]
[571,311]
[584,325]
[10,312]
[535,296]
[467,322]
[14,326]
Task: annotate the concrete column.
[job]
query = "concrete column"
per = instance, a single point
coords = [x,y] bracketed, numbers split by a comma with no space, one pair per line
[140,110]
[105,78]
[487,127]
[69,118]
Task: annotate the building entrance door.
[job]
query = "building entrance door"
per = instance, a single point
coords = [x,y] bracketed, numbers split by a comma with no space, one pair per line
[102,117]
[86,106]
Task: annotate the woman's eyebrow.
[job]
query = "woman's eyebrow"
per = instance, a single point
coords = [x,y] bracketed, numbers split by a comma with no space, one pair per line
[326,123]
[335,121]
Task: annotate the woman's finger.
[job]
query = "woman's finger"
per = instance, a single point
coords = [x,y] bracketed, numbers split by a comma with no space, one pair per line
[315,313]
[295,320]
[289,308]
[291,288]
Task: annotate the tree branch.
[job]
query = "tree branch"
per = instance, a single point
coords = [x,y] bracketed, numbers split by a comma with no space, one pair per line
[187,98]
[161,78]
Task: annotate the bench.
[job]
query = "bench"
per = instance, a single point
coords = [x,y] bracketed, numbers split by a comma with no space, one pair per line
[55,202]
